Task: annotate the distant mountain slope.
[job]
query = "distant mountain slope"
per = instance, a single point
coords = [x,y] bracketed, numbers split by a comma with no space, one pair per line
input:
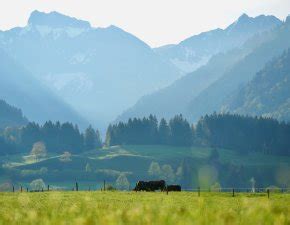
[268,94]
[217,94]
[206,89]
[21,89]
[174,99]
[99,71]
[10,116]
[195,51]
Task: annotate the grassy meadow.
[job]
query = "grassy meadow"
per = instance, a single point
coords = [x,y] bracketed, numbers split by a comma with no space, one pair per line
[134,161]
[130,208]
[139,157]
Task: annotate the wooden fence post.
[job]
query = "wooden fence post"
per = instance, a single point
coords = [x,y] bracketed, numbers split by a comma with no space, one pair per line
[21,188]
[268,193]
[104,186]
[233,192]
[198,190]
[13,188]
[48,187]
[77,186]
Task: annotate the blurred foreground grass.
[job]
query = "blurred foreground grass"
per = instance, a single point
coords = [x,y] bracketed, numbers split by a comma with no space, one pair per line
[108,208]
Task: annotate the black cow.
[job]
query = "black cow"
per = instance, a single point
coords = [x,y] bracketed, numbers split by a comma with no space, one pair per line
[150,185]
[173,188]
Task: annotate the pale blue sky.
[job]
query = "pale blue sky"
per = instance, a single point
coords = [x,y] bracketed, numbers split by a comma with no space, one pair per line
[157,22]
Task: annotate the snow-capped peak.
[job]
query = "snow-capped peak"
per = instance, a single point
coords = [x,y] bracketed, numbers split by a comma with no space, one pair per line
[55,24]
[56,20]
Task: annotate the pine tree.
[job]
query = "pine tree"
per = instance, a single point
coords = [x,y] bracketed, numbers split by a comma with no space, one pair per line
[181,132]
[163,132]
[92,139]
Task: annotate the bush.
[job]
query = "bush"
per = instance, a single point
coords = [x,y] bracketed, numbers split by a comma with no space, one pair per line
[122,182]
[37,185]
[110,188]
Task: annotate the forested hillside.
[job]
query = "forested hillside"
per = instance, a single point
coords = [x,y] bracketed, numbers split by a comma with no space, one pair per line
[10,116]
[268,94]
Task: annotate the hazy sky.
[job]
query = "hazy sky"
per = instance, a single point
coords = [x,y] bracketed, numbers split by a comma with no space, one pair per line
[157,22]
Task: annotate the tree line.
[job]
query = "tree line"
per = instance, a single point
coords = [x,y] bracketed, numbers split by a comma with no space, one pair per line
[239,133]
[57,137]
[244,133]
[229,131]
[148,131]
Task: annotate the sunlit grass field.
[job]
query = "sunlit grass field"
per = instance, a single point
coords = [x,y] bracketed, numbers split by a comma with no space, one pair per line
[107,208]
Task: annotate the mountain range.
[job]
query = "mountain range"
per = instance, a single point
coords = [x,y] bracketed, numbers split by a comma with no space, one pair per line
[197,50]
[99,72]
[207,89]
[214,97]
[61,68]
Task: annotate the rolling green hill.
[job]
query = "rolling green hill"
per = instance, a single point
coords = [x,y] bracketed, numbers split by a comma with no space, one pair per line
[229,168]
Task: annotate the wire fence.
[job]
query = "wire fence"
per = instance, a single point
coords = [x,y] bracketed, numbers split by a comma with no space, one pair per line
[105,186]
[240,190]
